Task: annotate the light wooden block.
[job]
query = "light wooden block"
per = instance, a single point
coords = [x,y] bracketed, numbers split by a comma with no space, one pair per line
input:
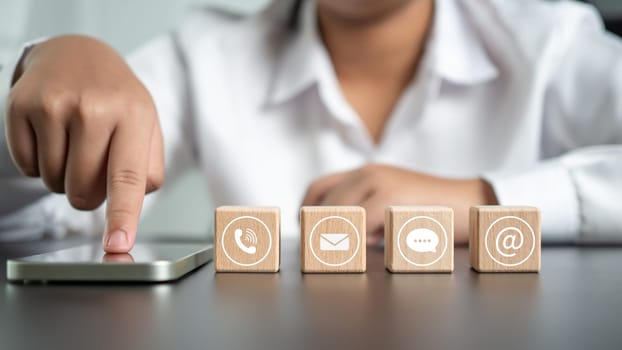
[247,239]
[332,239]
[505,239]
[419,239]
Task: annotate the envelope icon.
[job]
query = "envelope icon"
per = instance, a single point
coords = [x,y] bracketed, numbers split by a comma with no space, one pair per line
[334,241]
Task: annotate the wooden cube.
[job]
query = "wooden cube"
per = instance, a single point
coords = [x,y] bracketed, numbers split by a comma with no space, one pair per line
[332,239]
[247,239]
[419,239]
[505,239]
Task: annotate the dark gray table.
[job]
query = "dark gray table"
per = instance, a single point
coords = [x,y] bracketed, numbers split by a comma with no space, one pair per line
[574,303]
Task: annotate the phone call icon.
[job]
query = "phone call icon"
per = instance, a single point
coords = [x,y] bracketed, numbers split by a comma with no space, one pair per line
[249,236]
[246,241]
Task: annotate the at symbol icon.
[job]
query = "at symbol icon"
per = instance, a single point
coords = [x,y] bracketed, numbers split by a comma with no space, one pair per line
[511,242]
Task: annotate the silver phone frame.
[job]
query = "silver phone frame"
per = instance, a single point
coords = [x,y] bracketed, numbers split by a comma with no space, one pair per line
[155,271]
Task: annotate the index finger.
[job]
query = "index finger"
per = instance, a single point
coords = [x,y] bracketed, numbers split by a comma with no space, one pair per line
[128,163]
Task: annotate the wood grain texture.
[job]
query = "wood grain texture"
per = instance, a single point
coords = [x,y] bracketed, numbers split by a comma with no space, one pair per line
[333,239]
[505,239]
[259,228]
[400,221]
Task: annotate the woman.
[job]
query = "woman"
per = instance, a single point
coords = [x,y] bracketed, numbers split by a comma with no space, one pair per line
[354,102]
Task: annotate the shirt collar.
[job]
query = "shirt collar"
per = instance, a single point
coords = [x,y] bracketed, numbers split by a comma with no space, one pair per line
[297,67]
[456,53]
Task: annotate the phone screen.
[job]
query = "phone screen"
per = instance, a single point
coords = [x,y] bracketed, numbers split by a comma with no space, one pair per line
[141,253]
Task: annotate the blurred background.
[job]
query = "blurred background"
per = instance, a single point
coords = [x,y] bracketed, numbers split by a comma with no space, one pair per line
[185,209]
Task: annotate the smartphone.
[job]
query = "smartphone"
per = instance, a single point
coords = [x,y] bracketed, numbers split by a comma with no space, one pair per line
[147,262]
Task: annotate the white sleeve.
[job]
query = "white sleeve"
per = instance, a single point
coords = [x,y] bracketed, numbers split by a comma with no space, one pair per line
[28,211]
[579,189]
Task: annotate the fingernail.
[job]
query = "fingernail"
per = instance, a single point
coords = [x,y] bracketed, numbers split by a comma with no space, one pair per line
[116,239]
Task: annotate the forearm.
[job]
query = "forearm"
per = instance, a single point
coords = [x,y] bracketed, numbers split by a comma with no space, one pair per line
[579,194]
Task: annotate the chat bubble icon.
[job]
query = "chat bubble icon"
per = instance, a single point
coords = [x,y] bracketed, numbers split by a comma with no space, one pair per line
[422,240]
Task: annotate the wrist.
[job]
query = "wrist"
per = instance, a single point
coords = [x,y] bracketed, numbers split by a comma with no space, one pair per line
[487,193]
[477,192]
